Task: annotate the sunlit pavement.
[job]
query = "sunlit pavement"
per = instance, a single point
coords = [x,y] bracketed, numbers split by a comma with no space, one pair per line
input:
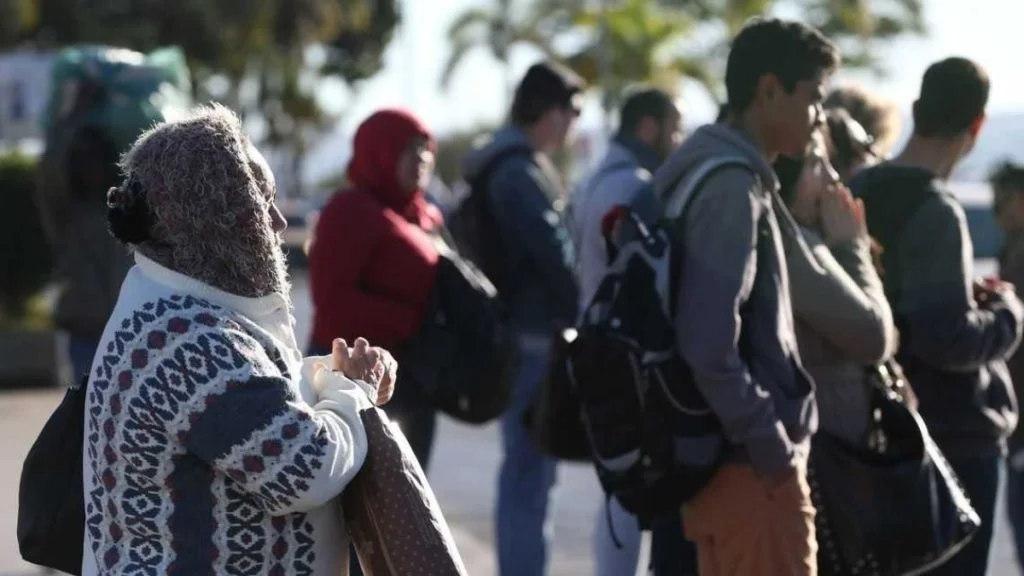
[463,474]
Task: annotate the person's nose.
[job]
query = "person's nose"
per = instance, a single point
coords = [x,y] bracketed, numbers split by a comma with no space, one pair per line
[819,116]
[425,157]
[277,220]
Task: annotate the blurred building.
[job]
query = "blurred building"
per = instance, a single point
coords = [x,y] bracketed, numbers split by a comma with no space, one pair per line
[24,88]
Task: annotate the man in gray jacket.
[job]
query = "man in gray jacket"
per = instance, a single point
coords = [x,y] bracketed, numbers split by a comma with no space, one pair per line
[733,318]
[650,128]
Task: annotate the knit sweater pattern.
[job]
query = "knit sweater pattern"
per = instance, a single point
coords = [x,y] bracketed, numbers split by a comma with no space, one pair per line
[205,451]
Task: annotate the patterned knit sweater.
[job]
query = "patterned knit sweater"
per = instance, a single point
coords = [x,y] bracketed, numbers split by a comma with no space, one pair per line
[207,449]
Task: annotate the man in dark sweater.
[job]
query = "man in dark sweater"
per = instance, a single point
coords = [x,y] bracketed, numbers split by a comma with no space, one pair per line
[1008,188]
[956,333]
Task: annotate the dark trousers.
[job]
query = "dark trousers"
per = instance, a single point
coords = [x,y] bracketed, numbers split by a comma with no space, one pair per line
[418,421]
[671,553]
[981,478]
[1015,509]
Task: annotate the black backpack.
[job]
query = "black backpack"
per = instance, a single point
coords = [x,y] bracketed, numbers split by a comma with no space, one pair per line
[553,417]
[654,440]
[463,358]
[472,224]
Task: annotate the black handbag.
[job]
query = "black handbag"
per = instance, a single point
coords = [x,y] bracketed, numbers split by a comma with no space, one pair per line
[891,506]
[554,419]
[51,505]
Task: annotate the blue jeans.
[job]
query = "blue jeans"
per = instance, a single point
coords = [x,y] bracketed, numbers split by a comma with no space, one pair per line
[527,477]
[981,478]
[1015,509]
[610,560]
[81,352]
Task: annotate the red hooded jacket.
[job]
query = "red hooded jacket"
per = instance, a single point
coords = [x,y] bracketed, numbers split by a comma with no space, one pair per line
[371,261]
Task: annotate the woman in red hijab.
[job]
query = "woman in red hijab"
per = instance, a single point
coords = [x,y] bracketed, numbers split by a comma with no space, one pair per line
[372,261]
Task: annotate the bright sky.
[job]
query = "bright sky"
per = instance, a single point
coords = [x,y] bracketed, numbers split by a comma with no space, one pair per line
[417,54]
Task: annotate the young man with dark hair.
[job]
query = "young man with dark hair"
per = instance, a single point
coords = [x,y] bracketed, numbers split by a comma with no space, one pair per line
[734,321]
[524,197]
[955,333]
[1007,182]
[650,128]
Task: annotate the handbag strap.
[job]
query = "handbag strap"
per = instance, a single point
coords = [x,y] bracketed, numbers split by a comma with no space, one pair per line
[888,378]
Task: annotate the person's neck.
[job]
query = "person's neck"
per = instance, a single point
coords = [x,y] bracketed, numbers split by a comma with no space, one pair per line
[645,153]
[537,139]
[748,124]
[936,155]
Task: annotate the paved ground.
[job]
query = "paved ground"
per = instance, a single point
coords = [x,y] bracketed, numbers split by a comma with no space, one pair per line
[463,475]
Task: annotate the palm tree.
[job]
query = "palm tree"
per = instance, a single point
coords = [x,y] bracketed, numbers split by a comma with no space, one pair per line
[498,28]
[858,26]
[651,40]
[639,41]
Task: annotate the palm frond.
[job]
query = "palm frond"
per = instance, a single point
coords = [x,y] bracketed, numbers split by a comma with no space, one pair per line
[472,18]
[460,49]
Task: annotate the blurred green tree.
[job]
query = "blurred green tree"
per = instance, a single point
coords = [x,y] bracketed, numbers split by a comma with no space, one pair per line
[25,260]
[662,40]
[504,24]
[622,42]
[265,58]
[453,147]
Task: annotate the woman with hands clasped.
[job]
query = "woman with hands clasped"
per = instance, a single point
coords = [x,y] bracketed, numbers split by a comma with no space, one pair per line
[370,366]
[211,446]
[843,320]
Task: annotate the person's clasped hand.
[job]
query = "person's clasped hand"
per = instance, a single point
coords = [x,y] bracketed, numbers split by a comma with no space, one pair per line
[842,216]
[991,288]
[370,366]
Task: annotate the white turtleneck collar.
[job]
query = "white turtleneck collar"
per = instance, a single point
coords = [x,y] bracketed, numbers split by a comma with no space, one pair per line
[272,312]
[254,308]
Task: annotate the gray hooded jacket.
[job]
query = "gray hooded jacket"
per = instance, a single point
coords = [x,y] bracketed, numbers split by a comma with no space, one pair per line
[733,319]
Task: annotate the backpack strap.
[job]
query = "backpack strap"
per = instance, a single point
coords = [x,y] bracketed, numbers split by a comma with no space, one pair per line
[677,197]
[482,177]
[645,209]
[478,203]
[676,200]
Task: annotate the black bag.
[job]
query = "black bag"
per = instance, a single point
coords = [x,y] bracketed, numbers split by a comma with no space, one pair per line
[654,440]
[554,418]
[472,224]
[51,506]
[463,359]
[893,506]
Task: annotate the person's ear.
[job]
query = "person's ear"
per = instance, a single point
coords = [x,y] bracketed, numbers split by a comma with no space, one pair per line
[768,89]
[975,128]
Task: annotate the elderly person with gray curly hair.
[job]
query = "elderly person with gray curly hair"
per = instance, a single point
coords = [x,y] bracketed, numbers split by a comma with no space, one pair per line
[211,446]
